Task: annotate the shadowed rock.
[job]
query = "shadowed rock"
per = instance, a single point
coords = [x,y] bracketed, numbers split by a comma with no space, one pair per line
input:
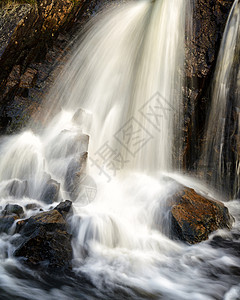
[51,192]
[75,172]
[13,209]
[45,241]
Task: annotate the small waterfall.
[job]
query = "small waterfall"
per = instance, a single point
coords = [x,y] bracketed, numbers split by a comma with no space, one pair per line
[221,152]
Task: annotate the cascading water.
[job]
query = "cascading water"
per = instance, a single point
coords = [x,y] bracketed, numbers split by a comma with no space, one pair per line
[122,86]
[221,152]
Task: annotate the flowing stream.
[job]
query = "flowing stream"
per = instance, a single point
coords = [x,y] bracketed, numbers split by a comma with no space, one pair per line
[121,91]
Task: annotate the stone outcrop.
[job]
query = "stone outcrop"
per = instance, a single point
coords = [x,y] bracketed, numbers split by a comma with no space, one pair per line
[45,241]
[193,217]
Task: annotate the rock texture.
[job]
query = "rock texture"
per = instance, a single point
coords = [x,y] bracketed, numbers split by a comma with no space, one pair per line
[45,241]
[194,217]
[202,47]
[26,33]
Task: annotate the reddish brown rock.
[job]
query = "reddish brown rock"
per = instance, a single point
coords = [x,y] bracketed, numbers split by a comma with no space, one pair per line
[195,217]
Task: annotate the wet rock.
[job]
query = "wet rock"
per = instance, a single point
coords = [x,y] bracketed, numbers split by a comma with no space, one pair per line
[18,188]
[83,118]
[72,143]
[202,47]
[64,208]
[75,173]
[32,206]
[6,223]
[45,241]
[27,81]
[13,209]
[194,217]
[51,192]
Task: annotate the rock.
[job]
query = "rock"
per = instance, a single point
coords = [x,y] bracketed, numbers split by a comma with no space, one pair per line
[83,118]
[27,32]
[6,223]
[32,206]
[193,217]
[202,49]
[50,192]
[45,241]
[18,188]
[64,208]
[27,81]
[71,143]
[13,209]
[75,172]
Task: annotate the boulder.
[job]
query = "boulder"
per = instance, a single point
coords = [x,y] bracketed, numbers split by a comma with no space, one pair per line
[50,192]
[193,217]
[45,241]
[75,173]
[6,223]
[13,209]
[18,188]
[65,208]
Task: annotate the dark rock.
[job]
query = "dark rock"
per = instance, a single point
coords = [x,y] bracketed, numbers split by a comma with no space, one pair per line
[64,208]
[75,172]
[194,217]
[51,192]
[202,47]
[32,206]
[6,223]
[18,188]
[13,209]
[45,241]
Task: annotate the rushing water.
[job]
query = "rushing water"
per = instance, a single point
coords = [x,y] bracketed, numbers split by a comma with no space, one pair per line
[122,87]
[221,153]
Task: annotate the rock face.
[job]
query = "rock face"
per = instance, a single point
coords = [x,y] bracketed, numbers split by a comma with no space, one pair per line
[26,33]
[193,217]
[202,47]
[45,241]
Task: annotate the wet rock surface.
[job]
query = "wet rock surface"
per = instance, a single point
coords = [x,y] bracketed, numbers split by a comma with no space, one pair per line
[75,173]
[202,49]
[194,217]
[51,192]
[45,241]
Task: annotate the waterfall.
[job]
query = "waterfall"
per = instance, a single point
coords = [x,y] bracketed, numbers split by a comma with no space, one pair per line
[128,71]
[221,152]
[118,102]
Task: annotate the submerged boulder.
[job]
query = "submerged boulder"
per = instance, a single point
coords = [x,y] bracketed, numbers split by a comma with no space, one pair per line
[45,240]
[193,217]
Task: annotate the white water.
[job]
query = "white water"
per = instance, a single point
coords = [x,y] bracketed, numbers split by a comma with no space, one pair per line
[218,135]
[120,242]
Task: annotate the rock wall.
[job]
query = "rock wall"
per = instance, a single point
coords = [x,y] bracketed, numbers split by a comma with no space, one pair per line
[27,34]
[202,47]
